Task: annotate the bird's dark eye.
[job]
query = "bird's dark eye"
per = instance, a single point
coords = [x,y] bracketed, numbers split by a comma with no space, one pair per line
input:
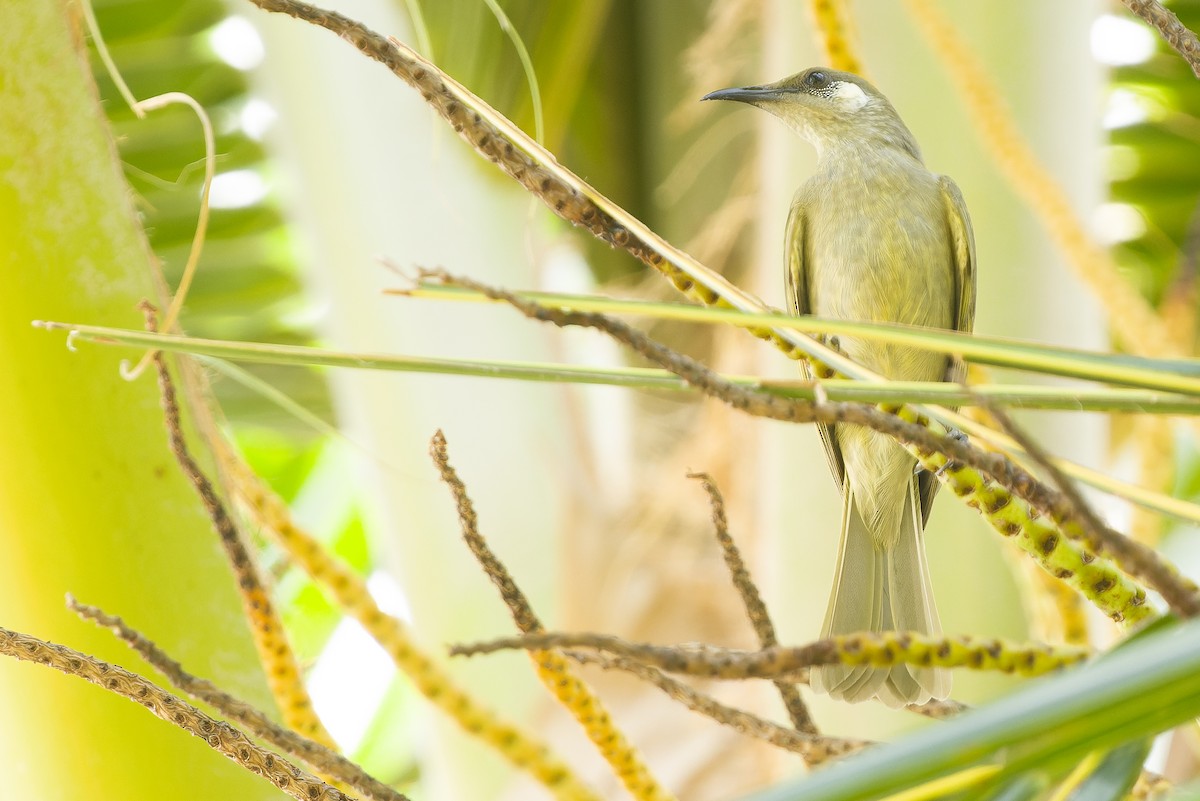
[816,80]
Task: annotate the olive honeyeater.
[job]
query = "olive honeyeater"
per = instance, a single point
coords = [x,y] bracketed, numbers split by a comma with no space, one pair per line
[875,236]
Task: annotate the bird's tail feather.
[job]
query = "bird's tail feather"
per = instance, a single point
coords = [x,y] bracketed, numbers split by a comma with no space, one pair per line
[881,589]
[855,604]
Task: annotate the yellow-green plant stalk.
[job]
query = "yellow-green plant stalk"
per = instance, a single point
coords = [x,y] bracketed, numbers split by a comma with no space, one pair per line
[1096,578]
[1025,396]
[577,697]
[890,648]
[831,28]
[1154,442]
[1167,375]
[1139,328]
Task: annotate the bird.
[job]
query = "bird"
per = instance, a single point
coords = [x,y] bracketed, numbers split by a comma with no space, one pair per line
[874,235]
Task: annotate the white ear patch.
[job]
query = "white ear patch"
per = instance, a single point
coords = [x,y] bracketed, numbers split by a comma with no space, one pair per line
[850,95]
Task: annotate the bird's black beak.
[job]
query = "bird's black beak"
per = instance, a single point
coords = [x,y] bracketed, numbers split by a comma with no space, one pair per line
[744,94]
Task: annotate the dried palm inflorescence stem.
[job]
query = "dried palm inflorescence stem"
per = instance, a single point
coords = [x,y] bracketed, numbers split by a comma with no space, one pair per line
[877,649]
[219,735]
[274,650]
[552,667]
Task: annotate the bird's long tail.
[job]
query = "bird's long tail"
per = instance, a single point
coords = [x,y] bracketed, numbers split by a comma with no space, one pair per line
[879,588]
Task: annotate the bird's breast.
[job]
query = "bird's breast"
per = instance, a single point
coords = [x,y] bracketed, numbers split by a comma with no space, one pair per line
[877,248]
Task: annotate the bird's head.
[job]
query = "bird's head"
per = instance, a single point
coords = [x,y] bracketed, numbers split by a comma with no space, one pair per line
[828,108]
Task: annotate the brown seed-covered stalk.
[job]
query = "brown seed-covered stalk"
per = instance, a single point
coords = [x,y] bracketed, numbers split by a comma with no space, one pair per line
[266,627]
[219,735]
[552,667]
[1173,32]
[317,756]
[756,609]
